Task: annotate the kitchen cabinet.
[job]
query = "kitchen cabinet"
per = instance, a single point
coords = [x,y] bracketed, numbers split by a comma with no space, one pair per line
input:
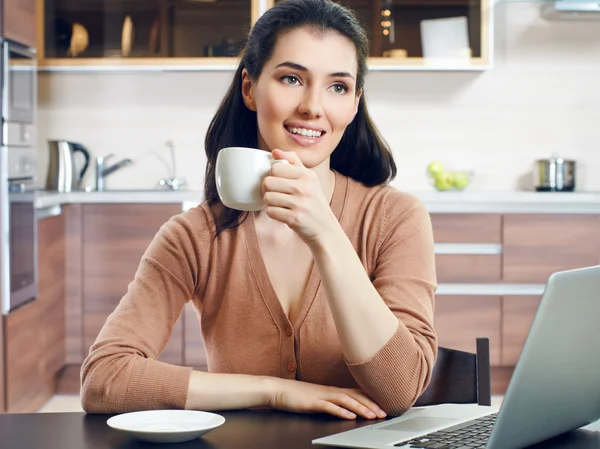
[184,34]
[517,316]
[19,21]
[144,32]
[114,238]
[433,34]
[35,332]
[467,228]
[460,320]
[537,245]
[468,247]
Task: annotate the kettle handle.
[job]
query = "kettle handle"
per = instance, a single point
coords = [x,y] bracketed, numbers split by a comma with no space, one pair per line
[86,155]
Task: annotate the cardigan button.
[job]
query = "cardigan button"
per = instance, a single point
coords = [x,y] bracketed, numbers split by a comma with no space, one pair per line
[292,366]
[289,332]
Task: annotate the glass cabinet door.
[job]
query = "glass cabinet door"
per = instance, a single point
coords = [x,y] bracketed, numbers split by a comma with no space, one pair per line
[437,34]
[142,29]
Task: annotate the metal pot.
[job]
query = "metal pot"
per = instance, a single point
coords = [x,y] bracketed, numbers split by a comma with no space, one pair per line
[554,175]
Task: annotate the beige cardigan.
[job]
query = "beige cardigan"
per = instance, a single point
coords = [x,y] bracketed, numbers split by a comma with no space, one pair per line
[244,327]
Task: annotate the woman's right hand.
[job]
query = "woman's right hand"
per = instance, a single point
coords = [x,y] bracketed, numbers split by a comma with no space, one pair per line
[304,397]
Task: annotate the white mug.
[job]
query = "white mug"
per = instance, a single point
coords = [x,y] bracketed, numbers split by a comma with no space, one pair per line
[239,174]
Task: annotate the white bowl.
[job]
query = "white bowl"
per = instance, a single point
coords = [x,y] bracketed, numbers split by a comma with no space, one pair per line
[166,426]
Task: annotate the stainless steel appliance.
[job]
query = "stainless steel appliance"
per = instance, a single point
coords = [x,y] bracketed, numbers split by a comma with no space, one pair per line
[63,174]
[18,221]
[554,175]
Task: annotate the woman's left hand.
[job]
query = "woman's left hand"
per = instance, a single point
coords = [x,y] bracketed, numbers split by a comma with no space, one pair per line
[294,196]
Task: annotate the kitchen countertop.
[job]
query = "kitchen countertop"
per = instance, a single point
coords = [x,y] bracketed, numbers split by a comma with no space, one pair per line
[436,202]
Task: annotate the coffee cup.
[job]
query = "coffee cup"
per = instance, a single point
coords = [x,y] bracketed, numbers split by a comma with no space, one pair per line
[239,173]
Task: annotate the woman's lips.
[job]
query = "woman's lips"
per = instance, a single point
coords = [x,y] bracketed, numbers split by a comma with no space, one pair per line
[305,141]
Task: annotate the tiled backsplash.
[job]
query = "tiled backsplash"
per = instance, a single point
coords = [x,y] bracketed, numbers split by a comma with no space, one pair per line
[541,98]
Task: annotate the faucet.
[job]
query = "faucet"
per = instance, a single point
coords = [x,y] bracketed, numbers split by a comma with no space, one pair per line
[102,171]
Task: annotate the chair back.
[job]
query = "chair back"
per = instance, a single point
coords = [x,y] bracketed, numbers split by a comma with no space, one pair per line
[460,377]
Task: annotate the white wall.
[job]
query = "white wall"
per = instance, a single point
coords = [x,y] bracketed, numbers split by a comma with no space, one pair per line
[542,98]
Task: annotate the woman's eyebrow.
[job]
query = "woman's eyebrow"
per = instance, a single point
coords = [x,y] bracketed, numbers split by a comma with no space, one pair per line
[301,68]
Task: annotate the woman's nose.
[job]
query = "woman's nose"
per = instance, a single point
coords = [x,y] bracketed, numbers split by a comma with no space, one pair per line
[311,105]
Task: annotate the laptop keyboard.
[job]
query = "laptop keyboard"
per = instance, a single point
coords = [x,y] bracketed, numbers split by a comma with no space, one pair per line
[468,435]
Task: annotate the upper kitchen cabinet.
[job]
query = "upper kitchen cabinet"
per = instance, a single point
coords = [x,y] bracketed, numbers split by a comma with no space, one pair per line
[426,34]
[143,32]
[18,21]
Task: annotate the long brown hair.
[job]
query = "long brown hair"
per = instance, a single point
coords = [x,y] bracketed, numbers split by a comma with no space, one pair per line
[362,154]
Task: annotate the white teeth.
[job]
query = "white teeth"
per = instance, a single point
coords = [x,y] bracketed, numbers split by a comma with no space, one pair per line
[305,132]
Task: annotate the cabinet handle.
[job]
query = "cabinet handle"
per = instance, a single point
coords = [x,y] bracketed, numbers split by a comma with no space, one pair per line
[468,248]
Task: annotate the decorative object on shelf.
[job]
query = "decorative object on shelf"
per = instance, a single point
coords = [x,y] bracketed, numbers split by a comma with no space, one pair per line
[446,38]
[79,40]
[387,21]
[444,179]
[127,36]
[396,53]
[154,37]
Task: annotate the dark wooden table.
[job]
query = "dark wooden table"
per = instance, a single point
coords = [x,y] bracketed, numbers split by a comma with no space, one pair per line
[243,429]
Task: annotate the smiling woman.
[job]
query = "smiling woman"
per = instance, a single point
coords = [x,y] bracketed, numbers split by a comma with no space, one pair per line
[320,302]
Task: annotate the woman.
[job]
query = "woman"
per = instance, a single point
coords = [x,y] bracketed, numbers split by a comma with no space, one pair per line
[322,301]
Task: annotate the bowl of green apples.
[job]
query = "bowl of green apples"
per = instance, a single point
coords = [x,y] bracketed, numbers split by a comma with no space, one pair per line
[444,179]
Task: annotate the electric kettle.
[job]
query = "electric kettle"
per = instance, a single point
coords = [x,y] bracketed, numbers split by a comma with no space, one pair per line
[63,175]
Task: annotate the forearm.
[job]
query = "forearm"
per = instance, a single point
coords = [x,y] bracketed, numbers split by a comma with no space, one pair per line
[364,322]
[216,391]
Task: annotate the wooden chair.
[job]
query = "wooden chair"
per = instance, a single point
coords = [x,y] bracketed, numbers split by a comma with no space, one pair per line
[460,377]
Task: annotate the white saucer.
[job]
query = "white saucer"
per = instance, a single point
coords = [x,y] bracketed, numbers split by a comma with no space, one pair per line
[166,426]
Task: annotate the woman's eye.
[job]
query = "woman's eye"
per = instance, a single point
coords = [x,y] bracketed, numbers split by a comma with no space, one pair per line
[291,80]
[339,88]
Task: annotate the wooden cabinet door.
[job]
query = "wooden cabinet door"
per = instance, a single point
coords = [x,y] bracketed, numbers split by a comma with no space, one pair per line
[468,268]
[467,228]
[52,288]
[467,235]
[537,245]
[114,238]
[24,378]
[19,21]
[459,320]
[35,332]
[517,316]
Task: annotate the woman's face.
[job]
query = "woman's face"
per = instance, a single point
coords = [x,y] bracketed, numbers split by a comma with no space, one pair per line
[305,96]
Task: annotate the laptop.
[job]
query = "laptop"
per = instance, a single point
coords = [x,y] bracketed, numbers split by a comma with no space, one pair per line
[555,386]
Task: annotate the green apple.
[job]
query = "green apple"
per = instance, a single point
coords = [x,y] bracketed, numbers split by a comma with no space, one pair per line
[443,181]
[435,168]
[460,180]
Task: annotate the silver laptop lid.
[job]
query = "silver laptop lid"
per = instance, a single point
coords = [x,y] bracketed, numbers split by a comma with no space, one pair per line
[556,383]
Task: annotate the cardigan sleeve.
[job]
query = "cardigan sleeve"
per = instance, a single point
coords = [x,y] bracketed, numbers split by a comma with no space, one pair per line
[405,278]
[121,372]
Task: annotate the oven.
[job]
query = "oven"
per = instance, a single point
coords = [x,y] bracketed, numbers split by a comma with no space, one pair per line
[18,154]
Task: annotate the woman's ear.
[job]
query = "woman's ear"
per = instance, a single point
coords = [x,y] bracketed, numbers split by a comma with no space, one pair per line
[248,91]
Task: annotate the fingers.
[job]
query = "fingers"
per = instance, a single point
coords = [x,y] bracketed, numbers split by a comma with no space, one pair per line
[288,171]
[289,156]
[276,199]
[352,405]
[274,184]
[367,402]
[335,410]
